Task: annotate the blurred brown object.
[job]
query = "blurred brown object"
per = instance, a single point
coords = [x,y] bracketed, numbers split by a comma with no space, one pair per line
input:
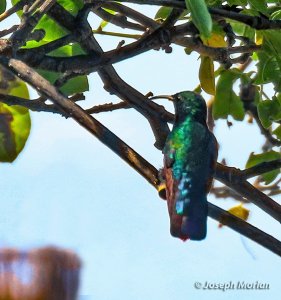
[40,274]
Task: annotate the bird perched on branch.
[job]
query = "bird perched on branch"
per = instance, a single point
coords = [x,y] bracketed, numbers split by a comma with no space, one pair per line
[190,155]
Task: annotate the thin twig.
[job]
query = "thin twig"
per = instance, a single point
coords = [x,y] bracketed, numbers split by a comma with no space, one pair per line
[117,34]
[133,14]
[18,6]
[226,192]
[118,20]
[107,107]
[8,31]
[34,105]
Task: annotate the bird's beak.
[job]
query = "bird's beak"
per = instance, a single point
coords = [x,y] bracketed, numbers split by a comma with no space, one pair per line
[171,98]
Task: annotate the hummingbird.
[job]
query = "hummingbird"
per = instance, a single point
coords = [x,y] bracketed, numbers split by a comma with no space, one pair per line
[190,156]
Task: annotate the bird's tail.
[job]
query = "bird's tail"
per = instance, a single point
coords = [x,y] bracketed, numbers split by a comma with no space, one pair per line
[194,219]
[191,222]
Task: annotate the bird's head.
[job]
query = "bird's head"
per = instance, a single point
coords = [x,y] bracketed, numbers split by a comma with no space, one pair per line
[188,103]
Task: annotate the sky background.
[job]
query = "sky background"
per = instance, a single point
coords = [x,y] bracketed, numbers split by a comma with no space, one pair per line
[69,190]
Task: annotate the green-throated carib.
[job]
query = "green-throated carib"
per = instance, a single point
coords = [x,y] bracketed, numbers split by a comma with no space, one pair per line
[190,155]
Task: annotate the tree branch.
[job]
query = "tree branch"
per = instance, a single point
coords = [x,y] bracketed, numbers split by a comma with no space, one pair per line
[8,31]
[80,116]
[256,22]
[159,38]
[117,20]
[113,83]
[261,168]
[249,230]
[107,107]
[33,105]
[233,178]
[127,153]
[18,6]
[133,14]
[156,114]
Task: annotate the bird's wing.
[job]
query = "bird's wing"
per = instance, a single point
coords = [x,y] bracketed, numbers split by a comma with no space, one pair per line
[185,188]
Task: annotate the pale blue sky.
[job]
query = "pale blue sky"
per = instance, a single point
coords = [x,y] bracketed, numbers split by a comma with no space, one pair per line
[69,190]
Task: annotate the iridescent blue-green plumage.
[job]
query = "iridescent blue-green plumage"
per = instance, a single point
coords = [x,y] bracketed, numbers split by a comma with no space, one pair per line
[190,155]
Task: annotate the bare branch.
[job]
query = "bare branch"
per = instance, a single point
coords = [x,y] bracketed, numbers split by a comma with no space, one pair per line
[261,168]
[226,192]
[117,20]
[249,230]
[107,107]
[8,31]
[133,14]
[34,105]
[18,6]
[233,178]
[256,22]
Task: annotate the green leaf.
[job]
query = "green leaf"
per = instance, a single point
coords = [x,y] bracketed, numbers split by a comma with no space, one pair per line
[226,101]
[200,16]
[206,75]
[271,46]
[269,111]
[75,85]
[72,6]
[213,3]
[53,30]
[163,13]
[269,70]
[67,50]
[259,5]
[256,159]
[272,41]
[237,2]
[3,5]
[277,132]
[103,22]
[276,15]
[243,30]
[15,123]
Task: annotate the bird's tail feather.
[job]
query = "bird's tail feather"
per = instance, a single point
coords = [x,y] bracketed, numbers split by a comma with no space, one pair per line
[194,220]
